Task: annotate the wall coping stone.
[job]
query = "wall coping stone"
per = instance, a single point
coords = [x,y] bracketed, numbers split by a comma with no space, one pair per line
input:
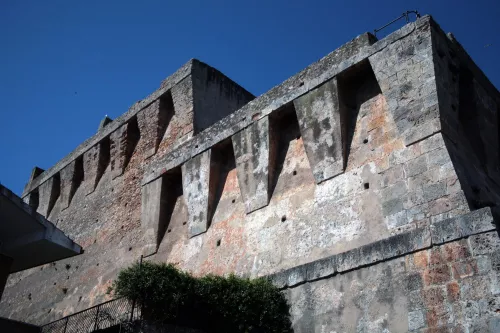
[472,223]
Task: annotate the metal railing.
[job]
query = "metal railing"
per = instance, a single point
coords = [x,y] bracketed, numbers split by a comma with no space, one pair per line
[406,15]
[98,317]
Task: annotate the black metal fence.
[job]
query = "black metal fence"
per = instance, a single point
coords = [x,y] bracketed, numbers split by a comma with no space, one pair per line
[98,317]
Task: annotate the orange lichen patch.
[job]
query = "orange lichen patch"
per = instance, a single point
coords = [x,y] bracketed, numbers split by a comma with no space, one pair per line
[421,259]
[222,259]
[231,185]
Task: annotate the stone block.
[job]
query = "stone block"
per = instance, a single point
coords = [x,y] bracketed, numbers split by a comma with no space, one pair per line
[434,191]
[319,116]
[477,221]
[252,152]
[437,275]
[416,166]
[485,243]
[416,320]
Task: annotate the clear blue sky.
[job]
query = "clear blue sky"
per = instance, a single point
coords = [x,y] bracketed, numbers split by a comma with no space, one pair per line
[65,64]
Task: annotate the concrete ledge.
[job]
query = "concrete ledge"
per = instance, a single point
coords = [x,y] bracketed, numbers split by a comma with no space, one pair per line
[312,76]
[27,237]
[465,225]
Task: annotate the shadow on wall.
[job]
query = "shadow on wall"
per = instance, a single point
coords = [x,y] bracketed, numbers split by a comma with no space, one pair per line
[357,85]
[476,168]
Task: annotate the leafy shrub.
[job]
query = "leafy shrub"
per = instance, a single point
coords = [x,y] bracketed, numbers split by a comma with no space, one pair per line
[211,303]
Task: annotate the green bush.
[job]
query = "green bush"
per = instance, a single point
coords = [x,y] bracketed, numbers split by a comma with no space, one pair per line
[211,303]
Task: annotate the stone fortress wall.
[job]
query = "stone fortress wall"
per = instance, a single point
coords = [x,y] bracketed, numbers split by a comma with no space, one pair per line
[366,186]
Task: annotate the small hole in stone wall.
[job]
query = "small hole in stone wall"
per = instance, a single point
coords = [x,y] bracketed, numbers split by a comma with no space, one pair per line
[126,204]
[65,290]
[169,230]
[79,298]
[97,264]
[366,185]
[184,223]
[95,241]
[196,146]
[130,248]
[49,310]
[29,296]
[365,141]
[97,220]
[67,277]
[122,227]
[233,201]
[68,266]
[55,283]
[112,189]
[301,84]
[76,267]
[294,172]
[218,242]
[283,218]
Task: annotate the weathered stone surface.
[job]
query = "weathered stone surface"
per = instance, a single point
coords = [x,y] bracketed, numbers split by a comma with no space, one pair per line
[95,161]
[319,117]
[48,193]
[478,221]
[252,152]
[356,247]
[122,144]
[405,72]
[196,188]
[71,177]
[152,213]
[365,255]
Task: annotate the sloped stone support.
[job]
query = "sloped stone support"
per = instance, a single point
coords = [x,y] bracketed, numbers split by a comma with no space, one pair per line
[406,74]
[48,194]
[95,161]
[252,153]
[319,117]
[153,195]
[197,191]
[71,177]
[153,121]
[123,142]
